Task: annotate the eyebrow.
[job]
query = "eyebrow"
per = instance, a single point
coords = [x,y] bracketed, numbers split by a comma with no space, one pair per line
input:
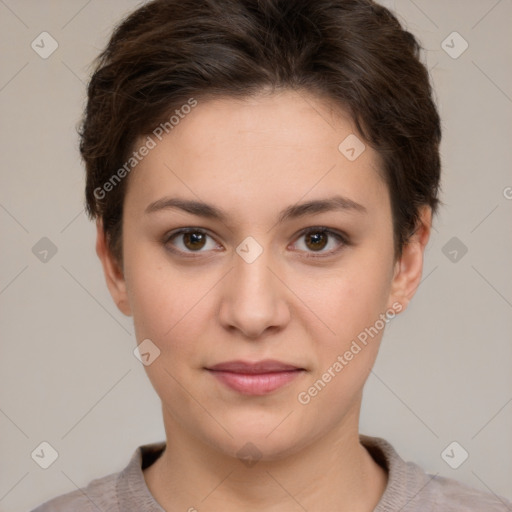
[335,203]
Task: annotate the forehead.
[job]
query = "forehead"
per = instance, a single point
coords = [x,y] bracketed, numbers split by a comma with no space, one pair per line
[264,150]
[269,123]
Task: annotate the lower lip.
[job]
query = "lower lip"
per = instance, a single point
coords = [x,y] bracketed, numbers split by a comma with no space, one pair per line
[256,384]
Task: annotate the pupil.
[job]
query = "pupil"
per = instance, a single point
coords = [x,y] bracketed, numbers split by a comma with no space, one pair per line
[317,237]
[193,239]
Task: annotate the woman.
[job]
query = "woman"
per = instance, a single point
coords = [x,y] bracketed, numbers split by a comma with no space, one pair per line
[263,175]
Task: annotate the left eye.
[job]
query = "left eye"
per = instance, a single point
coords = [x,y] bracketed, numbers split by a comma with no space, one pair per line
[315,240]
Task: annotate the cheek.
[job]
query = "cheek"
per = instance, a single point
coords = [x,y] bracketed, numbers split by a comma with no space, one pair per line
[348,300]
[169,304]
[169,308]
[351,306]
[351,302]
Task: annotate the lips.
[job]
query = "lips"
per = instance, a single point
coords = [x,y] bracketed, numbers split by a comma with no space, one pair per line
[266,366]
[258,378]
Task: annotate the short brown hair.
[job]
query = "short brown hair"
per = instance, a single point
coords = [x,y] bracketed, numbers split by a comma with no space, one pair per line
[353,53]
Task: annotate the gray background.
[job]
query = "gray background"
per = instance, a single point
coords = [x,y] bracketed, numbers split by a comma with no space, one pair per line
[67,372]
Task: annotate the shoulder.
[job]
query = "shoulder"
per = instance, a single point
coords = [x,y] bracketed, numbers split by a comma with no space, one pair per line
[123,491]
[100,494]
[450,495]
[411,489]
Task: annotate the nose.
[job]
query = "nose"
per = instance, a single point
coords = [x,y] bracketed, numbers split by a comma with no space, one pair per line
[254,297]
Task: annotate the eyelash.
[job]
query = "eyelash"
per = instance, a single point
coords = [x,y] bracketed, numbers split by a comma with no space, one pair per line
[343,239]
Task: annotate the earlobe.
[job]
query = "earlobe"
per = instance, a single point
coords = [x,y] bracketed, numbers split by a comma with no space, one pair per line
[409,268]
[113,273]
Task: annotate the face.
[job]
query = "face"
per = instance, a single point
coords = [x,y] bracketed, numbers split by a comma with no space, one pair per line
[259,275]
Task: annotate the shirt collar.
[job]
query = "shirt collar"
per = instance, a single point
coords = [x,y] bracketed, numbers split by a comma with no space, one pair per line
[405,479]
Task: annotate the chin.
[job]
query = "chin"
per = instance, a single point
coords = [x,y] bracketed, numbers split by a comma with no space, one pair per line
[266,439]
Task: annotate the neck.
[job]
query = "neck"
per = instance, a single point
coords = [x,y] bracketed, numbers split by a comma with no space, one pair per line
[335,472]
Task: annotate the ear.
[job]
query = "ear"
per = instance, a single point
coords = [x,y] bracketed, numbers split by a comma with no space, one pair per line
[113,273]
[409,268]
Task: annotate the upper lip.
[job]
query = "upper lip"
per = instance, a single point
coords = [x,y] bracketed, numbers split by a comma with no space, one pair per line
[264,366]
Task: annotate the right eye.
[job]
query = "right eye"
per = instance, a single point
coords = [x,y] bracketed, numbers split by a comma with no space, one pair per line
[189,240]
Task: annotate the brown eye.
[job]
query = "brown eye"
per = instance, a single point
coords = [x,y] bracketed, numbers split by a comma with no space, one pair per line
[317,239]
[189,240]
[194,240]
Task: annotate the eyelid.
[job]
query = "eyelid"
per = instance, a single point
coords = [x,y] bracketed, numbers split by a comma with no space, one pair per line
[181,231]
[342,238]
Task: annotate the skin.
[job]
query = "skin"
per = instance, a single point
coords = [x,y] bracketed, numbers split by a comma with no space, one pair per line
[252,159]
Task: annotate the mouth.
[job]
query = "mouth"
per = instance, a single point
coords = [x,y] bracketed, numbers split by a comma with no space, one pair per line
[255,378]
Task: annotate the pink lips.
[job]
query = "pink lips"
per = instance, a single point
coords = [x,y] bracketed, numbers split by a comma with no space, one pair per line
[257,378]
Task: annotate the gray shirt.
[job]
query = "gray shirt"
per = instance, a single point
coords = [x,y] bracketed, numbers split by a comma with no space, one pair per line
[409,488]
